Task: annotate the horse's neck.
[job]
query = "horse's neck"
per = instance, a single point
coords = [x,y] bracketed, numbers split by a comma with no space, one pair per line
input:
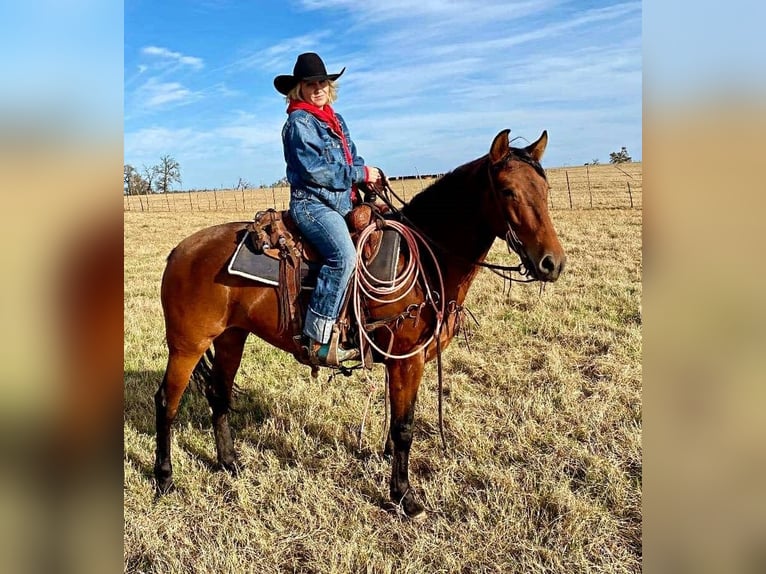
[450,214]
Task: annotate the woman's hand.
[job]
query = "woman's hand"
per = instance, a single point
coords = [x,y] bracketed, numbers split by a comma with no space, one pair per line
[374,175]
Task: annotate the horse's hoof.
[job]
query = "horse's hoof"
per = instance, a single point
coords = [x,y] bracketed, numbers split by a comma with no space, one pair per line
[421,516]
[233,468]
[164,486]
[408,508]
[414,510]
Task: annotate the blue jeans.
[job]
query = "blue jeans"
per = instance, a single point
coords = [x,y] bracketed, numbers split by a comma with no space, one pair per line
[327,231]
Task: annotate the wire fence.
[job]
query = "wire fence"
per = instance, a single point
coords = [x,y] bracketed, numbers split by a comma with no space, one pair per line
[583,187]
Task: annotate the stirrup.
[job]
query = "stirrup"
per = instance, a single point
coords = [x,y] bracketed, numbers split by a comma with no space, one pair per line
[329,354]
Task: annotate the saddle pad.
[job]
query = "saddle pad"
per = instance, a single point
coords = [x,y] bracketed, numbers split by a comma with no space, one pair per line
[250,262]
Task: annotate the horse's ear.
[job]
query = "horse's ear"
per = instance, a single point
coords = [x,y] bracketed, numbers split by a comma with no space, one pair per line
[537,149]
[500,147]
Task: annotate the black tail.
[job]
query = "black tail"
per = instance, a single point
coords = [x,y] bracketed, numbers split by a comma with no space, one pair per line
[202,376]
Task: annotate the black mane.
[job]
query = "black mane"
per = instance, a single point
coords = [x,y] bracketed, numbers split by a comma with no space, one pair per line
[445,193]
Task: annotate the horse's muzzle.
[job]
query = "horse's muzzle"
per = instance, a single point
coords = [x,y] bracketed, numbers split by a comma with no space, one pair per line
[550,267]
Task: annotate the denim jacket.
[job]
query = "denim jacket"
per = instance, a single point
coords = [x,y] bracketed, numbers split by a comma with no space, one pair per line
[316,164]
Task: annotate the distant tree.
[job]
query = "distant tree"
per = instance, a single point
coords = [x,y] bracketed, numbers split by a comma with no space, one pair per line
[281,183]
[620,156]
[133,183]
[149,175]
[243,184]
[595,161]
[139,185]
[168,172]
[129,173]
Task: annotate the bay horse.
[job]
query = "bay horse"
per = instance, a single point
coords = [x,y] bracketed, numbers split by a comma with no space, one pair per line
[501,194]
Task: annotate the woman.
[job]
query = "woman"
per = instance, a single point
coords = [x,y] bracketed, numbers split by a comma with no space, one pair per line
[323,170]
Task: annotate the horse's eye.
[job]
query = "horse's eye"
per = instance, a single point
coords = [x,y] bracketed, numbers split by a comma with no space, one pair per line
[508,192]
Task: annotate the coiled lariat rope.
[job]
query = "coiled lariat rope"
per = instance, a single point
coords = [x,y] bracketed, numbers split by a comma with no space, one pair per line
[366,287]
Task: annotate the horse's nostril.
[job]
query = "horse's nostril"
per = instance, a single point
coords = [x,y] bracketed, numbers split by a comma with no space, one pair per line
[550,267]
[547,265]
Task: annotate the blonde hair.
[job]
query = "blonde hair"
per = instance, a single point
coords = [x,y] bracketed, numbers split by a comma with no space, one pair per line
[294,95]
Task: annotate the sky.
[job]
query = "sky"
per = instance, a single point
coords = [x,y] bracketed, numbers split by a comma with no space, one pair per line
[427,86]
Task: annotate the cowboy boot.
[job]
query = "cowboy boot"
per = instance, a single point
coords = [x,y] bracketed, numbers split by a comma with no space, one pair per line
[329,354]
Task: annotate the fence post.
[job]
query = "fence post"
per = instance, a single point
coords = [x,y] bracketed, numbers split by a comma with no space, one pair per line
[167,200]
[215,196]
[191,205]
[590,193]
[420,181]
[550,192]
[630,194]
[274,197]
[569,190]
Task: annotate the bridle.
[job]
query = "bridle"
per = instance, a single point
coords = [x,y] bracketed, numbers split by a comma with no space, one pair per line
[512,240]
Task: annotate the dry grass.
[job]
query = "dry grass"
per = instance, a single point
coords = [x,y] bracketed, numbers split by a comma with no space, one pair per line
[543,419]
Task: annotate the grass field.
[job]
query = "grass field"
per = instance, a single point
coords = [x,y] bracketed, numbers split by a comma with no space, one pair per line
[542,417]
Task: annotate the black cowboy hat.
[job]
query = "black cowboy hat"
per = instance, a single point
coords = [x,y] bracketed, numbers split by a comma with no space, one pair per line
[308,67]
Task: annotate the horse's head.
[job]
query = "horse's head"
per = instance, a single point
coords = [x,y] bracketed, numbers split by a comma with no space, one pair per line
[518,207]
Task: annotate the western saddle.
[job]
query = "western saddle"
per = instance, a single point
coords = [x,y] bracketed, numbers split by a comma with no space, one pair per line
[277,236]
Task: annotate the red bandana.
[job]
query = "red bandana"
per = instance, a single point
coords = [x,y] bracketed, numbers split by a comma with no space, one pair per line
[327,115]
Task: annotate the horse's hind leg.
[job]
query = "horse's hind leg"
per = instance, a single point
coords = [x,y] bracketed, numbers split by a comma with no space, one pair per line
[166,401]
[228,355]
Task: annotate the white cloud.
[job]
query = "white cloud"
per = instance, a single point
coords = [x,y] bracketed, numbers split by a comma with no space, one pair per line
[217,156]
[437,10]
[249,136]
[237,132]
[154,93]
[148,144]
[166,93]
[166,54]
[280,57]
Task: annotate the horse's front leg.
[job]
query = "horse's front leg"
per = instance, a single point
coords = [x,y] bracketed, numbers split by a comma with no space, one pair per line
[404,379]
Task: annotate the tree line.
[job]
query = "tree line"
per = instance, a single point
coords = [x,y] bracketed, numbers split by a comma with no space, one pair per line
[621,156]
[155,178]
